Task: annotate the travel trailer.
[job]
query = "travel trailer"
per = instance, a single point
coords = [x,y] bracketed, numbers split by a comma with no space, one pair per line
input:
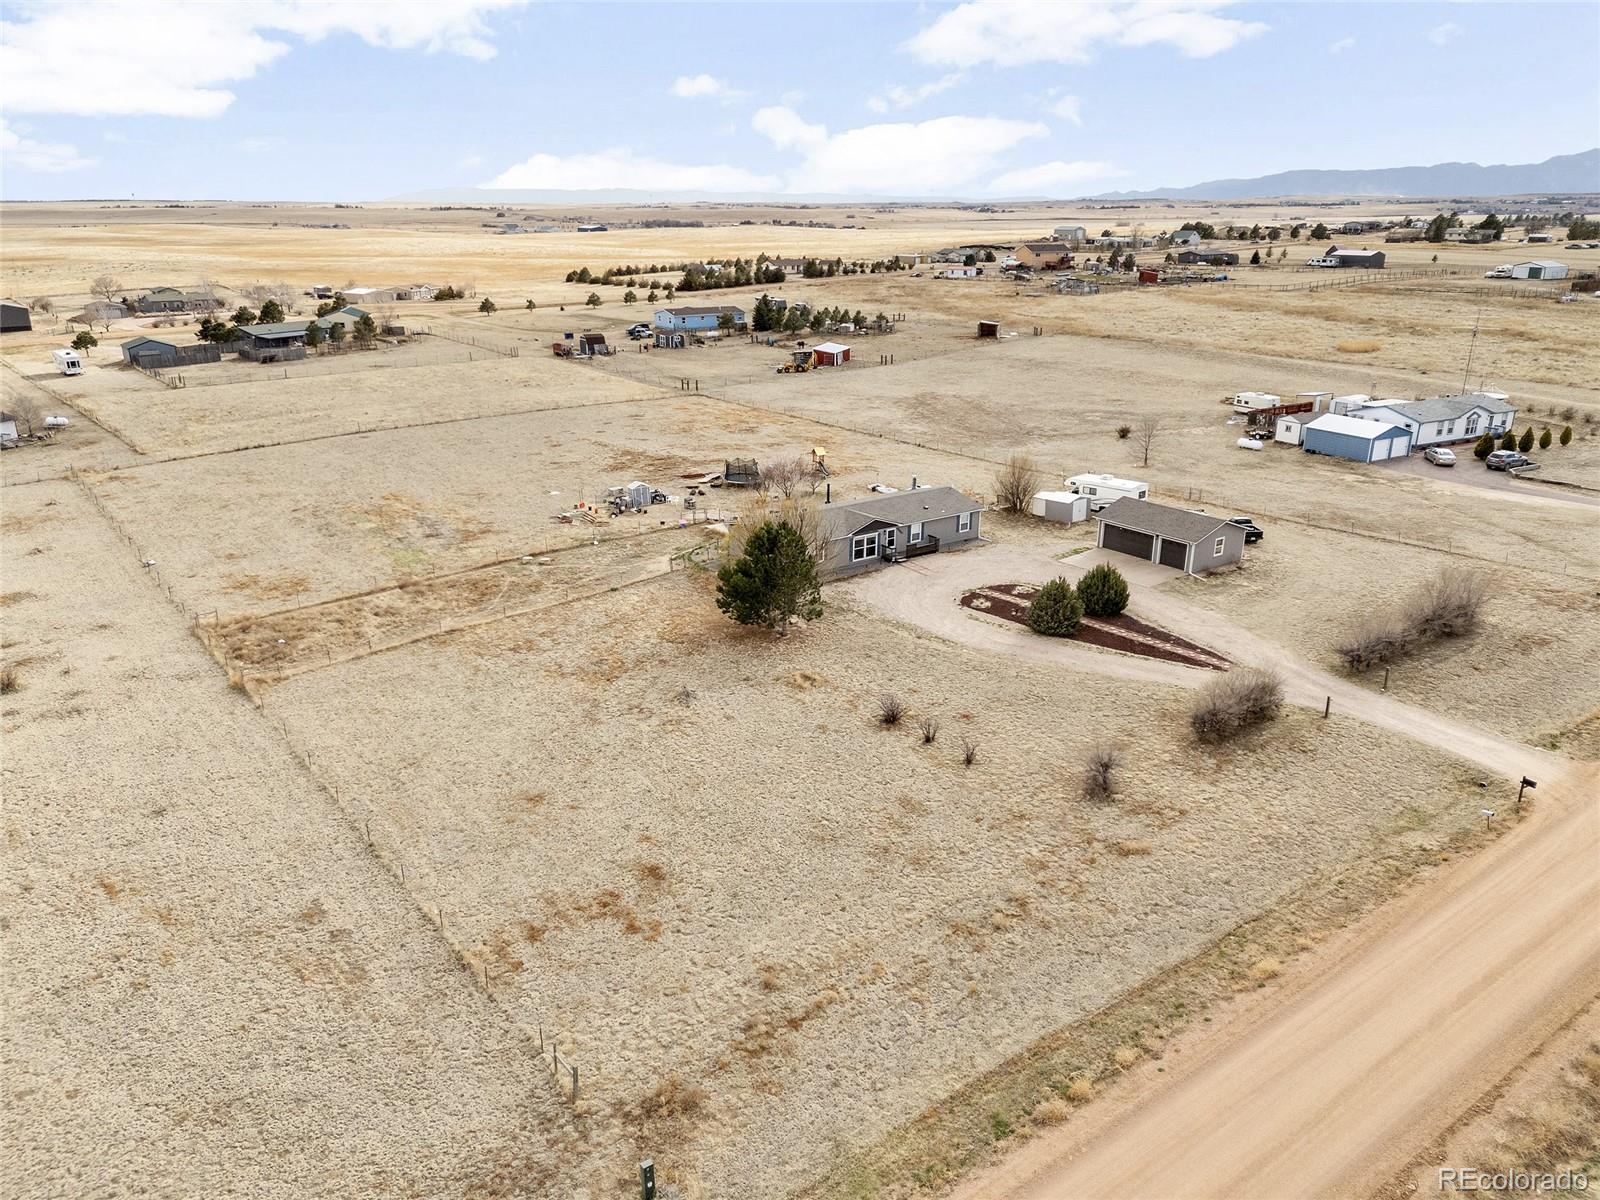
[1104,489]
[67,362]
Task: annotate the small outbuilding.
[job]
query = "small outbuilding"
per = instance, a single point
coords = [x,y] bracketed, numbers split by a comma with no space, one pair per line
[1366,260]
[1539,269]
[1187,541]
[988,329]
[158,353]
[1066,507]
[593,343]
[1350,437]
[830,354]
[1186,237]
[14,317]
[8,427]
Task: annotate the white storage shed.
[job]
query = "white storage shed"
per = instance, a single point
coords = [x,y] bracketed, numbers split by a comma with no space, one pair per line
[1539,269]
[1066,507]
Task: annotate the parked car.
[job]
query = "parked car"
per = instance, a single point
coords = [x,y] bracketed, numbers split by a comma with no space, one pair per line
[1439,456]
[1505,460]
[1252,531]
[638,331]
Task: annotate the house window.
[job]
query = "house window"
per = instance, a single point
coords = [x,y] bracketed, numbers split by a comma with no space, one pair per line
[1216,551]
[964,523]
[916,534]
[863,546]
[1472,424]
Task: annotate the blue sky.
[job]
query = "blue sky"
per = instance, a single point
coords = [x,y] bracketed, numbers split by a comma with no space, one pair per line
[362,99]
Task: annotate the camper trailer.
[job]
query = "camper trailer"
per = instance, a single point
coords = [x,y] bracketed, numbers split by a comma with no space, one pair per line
[67,362]
[1246,402]
[1104,489]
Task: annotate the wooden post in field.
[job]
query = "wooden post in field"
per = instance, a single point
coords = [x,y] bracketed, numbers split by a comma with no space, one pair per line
[1327,708]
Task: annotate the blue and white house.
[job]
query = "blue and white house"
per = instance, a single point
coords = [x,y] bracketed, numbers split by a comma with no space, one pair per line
[1445,418]
[697,319]
[1356,439]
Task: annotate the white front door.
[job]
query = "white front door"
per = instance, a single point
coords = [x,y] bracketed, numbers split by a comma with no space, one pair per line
[890,536]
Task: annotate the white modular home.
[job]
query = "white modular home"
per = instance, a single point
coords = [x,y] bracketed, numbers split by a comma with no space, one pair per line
[1446,418]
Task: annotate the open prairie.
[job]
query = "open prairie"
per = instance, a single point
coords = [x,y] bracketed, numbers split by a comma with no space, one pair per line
[348,777]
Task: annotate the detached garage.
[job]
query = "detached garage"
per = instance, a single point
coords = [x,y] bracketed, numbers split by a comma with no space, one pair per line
[1174,537]
[1355,439]
[1539,269]
[830,354]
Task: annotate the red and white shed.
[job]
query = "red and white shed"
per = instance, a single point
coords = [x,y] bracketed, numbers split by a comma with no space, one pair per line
[831,354]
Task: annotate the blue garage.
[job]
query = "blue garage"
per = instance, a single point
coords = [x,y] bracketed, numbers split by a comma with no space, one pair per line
[1357,440]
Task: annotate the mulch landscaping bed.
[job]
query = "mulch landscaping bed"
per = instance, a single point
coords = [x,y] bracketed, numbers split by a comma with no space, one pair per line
[1009,602]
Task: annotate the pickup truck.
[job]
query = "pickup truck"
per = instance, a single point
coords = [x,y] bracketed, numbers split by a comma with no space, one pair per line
[1501,272]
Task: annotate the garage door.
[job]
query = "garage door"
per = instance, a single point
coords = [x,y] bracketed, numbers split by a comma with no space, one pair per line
[1129,541]
[1173,554]
[1391,448]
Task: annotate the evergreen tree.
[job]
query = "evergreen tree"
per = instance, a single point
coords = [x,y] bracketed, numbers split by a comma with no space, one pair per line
[530,305]
[1566,435]
[1525,443]
[243,316]
[84,340]
[336,332]
[1318,232]
[488,306]
[1103,591]
[630,297]
[366,330]
[1056,610]
[1509,442]
[593,300]
[1255,258]
[313,336]
[775,579]
[1546,438]
[1484,448]
[271,312]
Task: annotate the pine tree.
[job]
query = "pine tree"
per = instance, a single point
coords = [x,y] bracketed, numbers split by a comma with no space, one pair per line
[271,312]
[1525,443]
[1103,591]
[1056,610]
[313,336]
[488,305]
[1485,447]
[1509,442]
[774,580]
[84,340]
[1566,435]
[1546,438]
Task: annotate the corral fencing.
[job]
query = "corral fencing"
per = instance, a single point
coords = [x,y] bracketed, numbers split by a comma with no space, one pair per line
[468,340]
[1345,278]
[164,376]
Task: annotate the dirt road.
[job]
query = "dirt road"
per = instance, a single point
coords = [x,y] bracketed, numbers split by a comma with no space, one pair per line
[1333,1083]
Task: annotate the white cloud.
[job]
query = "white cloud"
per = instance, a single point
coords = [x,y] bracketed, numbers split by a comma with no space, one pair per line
[895,96]
[940,155]
[1068,108]
[691,87]
[623,168]
[1052,178]
[24,154]
[1443,35]
[118,57]
[1011,32]
[1341,45]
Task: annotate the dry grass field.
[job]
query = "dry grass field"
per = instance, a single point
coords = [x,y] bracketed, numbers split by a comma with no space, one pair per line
[769,931]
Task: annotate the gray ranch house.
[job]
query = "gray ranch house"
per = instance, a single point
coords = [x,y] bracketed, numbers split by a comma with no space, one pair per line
[863,534]
[1174,537]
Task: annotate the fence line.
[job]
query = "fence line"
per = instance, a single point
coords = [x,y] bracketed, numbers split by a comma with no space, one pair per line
[469,340]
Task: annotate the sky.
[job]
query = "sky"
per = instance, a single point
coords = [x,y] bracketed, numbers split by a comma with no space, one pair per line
[352,100]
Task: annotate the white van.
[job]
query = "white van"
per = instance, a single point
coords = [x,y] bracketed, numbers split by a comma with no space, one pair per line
[1103,489]
[1322,262]
[67,362]
[1503,271]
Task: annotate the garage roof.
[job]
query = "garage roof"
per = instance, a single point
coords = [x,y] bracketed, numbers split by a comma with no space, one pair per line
[1175,524]
[1353,426]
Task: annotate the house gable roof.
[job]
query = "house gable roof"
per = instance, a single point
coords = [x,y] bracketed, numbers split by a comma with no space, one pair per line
[1177,524]
[704,312]
[1353,426]
[897,508]
[1448,408]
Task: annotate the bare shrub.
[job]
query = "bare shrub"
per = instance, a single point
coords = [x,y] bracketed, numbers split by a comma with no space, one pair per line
[1358,346]
[785,476]
[1015,484]
[1080,1090]
[1123,431]
[1265,969]
[10,681]
[1052,1112]
[969,752]
[1447,606]
[1376,642]
[1234,702]
[930,730]
[674,1098]
[1132,848]
[890,709]
[1100,774]
[42,304]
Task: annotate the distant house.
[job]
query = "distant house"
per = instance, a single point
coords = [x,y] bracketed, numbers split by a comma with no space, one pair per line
[346,316]
[1416,234]
[1186,237]
[1044,256]
[101,310]
[1118,241]
[174,300]
[1173,537]
[14,317]
[864,534]
[1464,234]
[1354,438]
[152,352]
[591,227]
[1371,260]
[1539,269]
[1071,233]
[1210,258]
[1360,226]
[698,319]
[1541,237]
[1444,418]
[961,271]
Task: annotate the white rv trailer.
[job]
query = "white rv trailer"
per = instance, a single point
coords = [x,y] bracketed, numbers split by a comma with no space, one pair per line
[1103,489]
[1250,401]
[67,362]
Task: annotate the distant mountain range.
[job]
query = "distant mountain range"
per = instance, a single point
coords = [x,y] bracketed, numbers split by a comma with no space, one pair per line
[1565,173]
